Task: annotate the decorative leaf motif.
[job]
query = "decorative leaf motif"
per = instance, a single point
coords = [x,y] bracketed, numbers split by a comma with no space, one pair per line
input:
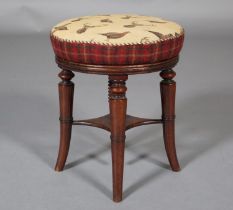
[145,40]
[155,21]
[106,20]
[76,20]
[60,28]
[115,35]
[85,27]
[168,36]
[81,30]
[161,36]
[129,26]
[157,34]
[89,26]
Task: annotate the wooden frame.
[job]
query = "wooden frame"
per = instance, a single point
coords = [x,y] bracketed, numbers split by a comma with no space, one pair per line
[117,70]
[117,121]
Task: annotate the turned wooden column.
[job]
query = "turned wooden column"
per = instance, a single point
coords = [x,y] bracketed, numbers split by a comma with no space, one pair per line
[168,93]
[117,106]
[66,92]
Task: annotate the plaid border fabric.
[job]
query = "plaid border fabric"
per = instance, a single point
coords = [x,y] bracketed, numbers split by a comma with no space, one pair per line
[91,53]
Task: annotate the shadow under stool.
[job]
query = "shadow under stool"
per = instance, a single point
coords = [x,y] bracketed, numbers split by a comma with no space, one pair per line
[117,46]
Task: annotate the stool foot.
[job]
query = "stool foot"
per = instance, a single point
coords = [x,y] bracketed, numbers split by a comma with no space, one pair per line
[65,136]
[117,168]
[168,91]
[169,141]
[66,92]
[117,106]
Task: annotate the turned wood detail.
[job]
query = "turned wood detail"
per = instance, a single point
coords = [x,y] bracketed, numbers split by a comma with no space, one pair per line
[116,87]
[66,76]
[66,110]
[168,75]
[117,121]
[168,85]
[66,92]
[117,106]
[168,92]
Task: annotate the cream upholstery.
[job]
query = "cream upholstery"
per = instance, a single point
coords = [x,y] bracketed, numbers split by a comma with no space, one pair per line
[116,29]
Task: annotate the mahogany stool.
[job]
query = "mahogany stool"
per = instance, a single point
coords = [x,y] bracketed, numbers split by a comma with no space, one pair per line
[117,46]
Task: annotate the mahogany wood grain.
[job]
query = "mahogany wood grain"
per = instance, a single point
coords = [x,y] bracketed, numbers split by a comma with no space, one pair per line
[104,122]
[117,122]
[132,122]
[117,70]
[117,106]
[66,92]
[168,92]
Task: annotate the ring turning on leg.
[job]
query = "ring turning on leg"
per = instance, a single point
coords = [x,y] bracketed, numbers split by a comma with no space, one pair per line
[168,91]
[66,92]
[117,106]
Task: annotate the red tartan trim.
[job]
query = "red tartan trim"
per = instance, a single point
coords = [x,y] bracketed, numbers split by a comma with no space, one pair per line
[92,53]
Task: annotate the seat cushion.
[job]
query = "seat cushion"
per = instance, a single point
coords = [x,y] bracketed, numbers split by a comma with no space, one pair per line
[117,39]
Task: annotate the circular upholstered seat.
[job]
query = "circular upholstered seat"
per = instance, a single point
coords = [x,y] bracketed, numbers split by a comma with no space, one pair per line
[117,39]
[117,46]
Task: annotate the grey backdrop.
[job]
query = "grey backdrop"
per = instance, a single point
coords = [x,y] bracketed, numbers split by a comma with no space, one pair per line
[209,18]
[29,128]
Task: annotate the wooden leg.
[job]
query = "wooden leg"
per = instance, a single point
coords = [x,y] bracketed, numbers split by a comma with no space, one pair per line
[66,92]
[168,91]
[117,106]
